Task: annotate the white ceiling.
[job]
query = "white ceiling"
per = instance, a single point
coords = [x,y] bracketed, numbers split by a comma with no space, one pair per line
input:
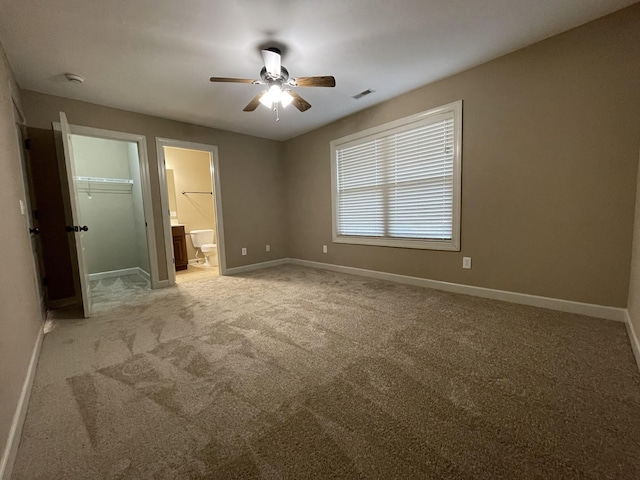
[156,56]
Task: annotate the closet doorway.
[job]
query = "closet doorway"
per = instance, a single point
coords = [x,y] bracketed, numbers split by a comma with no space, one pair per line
[108,182]
[192,210]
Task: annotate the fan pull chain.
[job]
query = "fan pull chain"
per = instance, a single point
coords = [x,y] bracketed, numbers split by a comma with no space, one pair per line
[275,107]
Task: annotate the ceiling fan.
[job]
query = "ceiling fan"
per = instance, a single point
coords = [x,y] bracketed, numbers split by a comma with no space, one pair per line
[277,80]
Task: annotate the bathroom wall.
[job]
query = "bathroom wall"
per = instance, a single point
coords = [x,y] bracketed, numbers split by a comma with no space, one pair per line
[110,244]
[139,227]
[192,172]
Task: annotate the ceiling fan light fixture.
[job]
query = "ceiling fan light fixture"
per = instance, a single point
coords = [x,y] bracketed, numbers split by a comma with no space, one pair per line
[276,95]
[276,79]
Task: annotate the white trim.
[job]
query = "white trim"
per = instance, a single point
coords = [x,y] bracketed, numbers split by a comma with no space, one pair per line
[588,309]
[147,203]
[163,284]
[164,207]
[120,273]
[388,128]
[13,440]
[258,266]
[142,272]
[164,200]
[633,338]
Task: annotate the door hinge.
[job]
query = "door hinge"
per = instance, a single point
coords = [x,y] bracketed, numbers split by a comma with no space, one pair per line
[45,282]
[27,144]
[35,214]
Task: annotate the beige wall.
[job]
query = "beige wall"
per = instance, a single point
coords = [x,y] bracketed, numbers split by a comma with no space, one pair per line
[192,173]
[251,173]
[20,316]
[550,152]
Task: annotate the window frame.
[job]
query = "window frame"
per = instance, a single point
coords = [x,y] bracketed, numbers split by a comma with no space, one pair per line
[400,125]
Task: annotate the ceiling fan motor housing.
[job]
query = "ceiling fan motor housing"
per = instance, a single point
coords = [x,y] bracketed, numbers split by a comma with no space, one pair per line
[269,79]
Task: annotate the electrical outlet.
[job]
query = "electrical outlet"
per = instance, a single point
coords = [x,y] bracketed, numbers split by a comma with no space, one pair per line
[466,262]
[324,249]
[244,251]
[268,248]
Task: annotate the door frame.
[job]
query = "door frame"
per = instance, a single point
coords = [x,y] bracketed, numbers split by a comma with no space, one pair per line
[147,203]
[30,220]
[164,200]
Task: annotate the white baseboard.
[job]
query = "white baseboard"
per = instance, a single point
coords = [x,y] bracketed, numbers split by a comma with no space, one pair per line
[13,441]
[144,273]
[119,273]
[588,309]
[256,266]
[633,338]
[569,306]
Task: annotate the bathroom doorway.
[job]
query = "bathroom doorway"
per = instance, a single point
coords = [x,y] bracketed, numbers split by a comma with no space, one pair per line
[192,210]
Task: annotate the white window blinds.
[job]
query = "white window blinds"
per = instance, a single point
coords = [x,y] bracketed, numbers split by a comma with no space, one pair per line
[400,183]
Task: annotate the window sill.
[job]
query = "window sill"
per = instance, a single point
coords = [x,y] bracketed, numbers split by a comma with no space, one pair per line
[446,245]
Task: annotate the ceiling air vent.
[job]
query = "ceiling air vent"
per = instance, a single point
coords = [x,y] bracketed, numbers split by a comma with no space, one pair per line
[364,93]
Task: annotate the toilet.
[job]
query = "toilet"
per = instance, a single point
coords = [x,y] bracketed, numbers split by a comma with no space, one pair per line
[203,240]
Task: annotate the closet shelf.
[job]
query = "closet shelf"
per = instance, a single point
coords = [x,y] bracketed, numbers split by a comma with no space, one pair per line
[103,180]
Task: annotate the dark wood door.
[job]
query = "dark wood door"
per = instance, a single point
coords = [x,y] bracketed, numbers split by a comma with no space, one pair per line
[181,259]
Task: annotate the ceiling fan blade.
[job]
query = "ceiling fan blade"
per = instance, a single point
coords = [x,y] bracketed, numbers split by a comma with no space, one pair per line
[299,102]
[326,81]
[232,80]
[272,62]
[253,104]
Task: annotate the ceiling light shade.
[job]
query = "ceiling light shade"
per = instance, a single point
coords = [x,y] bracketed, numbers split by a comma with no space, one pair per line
[271,96]
[266,100]
[285,99]
[275,93]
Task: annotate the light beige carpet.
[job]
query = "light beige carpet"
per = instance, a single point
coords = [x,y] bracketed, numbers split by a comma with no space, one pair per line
[196,273]
[293,372]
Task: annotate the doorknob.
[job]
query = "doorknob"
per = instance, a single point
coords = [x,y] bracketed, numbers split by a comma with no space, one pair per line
[34,230]
[75,228]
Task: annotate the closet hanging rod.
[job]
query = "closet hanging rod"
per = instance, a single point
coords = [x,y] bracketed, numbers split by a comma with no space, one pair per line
[103,180]
[208,193]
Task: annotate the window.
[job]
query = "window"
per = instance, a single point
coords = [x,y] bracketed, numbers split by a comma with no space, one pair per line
[398,185]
